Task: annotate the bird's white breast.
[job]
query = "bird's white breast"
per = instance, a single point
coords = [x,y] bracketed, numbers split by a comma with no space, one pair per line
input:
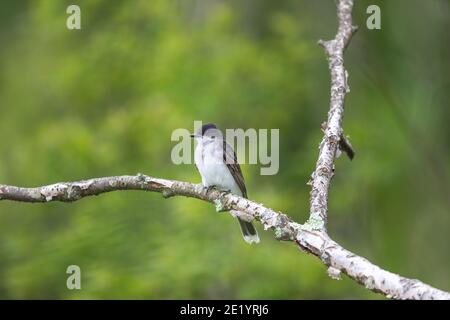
[212,168]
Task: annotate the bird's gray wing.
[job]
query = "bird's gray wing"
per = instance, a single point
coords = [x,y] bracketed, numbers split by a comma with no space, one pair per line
[229,156]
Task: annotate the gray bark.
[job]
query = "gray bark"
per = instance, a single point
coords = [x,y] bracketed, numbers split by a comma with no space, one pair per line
[310,237]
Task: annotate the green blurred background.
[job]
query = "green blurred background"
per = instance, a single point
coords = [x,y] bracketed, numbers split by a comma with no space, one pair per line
[104,101]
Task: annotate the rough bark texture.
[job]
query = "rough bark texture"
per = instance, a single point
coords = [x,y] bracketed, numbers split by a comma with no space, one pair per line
[333,133]
[308,238]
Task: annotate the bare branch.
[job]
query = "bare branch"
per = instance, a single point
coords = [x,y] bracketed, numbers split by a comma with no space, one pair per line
[333,133]
[316,242]
[311,237]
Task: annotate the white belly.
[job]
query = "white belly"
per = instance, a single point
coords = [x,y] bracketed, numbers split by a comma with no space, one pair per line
[214,173]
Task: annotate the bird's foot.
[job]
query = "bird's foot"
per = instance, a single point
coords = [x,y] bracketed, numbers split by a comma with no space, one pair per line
[209,188]
[220,206]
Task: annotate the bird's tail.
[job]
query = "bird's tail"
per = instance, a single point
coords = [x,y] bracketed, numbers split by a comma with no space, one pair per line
[248,231]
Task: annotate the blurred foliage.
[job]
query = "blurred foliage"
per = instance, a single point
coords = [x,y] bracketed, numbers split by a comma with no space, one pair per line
[104,100]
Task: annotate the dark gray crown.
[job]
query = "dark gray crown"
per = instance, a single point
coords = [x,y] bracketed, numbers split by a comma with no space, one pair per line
[207,127]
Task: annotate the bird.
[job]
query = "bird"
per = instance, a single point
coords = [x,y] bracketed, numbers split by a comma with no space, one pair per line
[217,164]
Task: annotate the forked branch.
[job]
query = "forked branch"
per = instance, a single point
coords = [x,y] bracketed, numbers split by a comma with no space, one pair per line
[316,242]
[310,237]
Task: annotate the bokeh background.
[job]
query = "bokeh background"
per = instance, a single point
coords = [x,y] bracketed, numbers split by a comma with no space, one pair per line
[104,101]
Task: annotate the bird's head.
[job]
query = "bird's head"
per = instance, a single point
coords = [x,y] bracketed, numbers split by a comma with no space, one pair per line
[209,131]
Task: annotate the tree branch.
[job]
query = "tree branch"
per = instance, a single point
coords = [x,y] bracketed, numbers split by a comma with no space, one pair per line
[333,133]
[308,239]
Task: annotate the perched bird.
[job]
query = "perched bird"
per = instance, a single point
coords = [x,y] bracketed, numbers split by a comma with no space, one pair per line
[217,163]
